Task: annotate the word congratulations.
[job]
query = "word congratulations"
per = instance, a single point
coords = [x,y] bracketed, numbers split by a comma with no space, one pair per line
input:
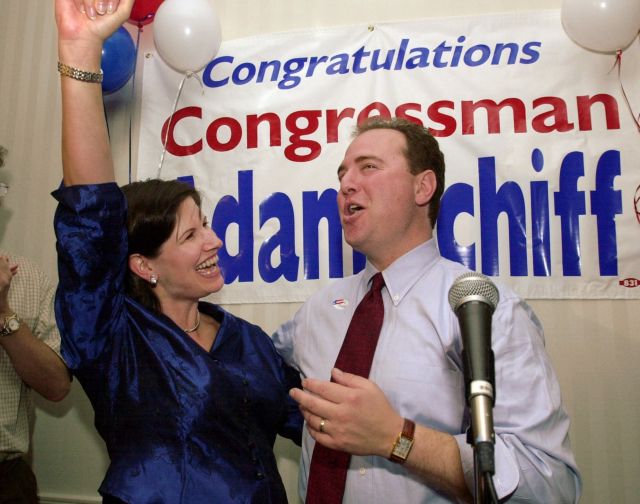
[309,129]
[277,256]
[288,74]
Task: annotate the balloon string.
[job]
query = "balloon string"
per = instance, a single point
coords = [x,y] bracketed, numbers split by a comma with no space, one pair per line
[106,118]
[187,75]
[147,19]
[618,63]
[132,101]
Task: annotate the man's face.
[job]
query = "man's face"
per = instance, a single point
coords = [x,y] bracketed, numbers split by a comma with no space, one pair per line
[380,201]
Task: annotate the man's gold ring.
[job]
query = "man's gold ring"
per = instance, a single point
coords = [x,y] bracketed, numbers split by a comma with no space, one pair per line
[322,420]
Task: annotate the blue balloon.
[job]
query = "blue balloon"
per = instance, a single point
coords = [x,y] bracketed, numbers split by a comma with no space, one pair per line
[118,60]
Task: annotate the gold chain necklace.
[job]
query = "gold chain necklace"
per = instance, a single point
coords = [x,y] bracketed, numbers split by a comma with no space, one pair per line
[195,326]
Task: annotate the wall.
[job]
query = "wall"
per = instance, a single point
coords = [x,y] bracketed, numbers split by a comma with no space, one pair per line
[593,344]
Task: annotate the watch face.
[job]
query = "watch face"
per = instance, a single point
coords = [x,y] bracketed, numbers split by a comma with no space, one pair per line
[14,324]
[403,447]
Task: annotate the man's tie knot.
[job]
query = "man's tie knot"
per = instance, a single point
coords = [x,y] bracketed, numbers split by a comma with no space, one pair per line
[377,282]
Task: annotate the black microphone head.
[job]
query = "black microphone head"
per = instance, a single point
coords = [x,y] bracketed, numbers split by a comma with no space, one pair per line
[473,286]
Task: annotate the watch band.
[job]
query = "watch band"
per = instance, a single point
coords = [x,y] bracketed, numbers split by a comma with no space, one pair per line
[403,443]
[11,324]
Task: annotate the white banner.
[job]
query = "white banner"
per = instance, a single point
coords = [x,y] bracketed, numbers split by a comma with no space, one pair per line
[541,148]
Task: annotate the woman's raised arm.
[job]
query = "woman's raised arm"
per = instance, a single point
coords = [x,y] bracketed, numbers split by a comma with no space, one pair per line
[83,26]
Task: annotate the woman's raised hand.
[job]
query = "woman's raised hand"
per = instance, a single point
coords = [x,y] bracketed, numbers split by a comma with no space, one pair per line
[89,21]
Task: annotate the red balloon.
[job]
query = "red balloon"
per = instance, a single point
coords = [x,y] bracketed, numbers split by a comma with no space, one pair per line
[143,11]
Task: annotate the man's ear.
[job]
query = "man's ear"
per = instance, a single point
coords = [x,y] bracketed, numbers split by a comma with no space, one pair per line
[139,266]
[425,186]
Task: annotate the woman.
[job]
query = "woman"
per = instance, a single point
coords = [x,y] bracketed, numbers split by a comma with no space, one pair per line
[187,397]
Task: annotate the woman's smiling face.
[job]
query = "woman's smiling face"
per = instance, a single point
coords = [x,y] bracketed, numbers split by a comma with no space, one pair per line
[187,265]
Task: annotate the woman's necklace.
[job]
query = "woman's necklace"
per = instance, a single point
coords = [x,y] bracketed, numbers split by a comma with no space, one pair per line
[195,326]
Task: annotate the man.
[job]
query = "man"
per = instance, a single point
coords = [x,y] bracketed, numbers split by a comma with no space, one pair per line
[29,359]
[391,181]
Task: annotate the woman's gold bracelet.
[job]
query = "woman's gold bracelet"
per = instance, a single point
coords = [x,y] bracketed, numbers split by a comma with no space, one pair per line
[81,75]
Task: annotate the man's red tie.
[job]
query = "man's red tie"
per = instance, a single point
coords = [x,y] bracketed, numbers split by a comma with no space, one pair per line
[328,471]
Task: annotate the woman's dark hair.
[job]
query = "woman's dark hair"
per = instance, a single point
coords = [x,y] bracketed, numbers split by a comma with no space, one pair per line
[152,209]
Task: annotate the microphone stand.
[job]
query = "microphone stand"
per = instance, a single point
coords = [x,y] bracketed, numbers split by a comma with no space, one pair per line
[482,439]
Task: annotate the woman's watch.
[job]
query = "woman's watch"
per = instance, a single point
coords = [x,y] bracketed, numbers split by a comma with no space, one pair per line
[11,325]
[404,442]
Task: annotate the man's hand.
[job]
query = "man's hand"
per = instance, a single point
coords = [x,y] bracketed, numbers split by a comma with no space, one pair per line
[357,417]
[359,420]
[7,272]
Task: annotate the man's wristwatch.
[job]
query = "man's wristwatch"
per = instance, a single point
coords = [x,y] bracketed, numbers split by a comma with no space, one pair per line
[404,442]
[11,325]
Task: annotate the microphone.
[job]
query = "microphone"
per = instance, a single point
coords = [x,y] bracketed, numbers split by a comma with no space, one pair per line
[473,298]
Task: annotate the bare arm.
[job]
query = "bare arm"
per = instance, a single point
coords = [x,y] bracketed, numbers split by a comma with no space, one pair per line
[36,364]
[86,156]
[360,421]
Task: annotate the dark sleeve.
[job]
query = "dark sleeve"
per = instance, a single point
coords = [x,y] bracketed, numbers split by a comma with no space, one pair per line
[292,425]
[291,421]
[90,226]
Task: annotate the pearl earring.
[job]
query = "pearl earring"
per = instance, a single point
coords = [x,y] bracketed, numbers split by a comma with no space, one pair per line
[153,279]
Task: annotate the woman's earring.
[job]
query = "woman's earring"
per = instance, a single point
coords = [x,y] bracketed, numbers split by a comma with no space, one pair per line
[153,279]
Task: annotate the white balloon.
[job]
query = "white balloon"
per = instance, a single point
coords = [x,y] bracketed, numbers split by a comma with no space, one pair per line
[601,25]
[187,33]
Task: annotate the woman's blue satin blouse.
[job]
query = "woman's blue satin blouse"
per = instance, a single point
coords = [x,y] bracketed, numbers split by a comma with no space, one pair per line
[181,425]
